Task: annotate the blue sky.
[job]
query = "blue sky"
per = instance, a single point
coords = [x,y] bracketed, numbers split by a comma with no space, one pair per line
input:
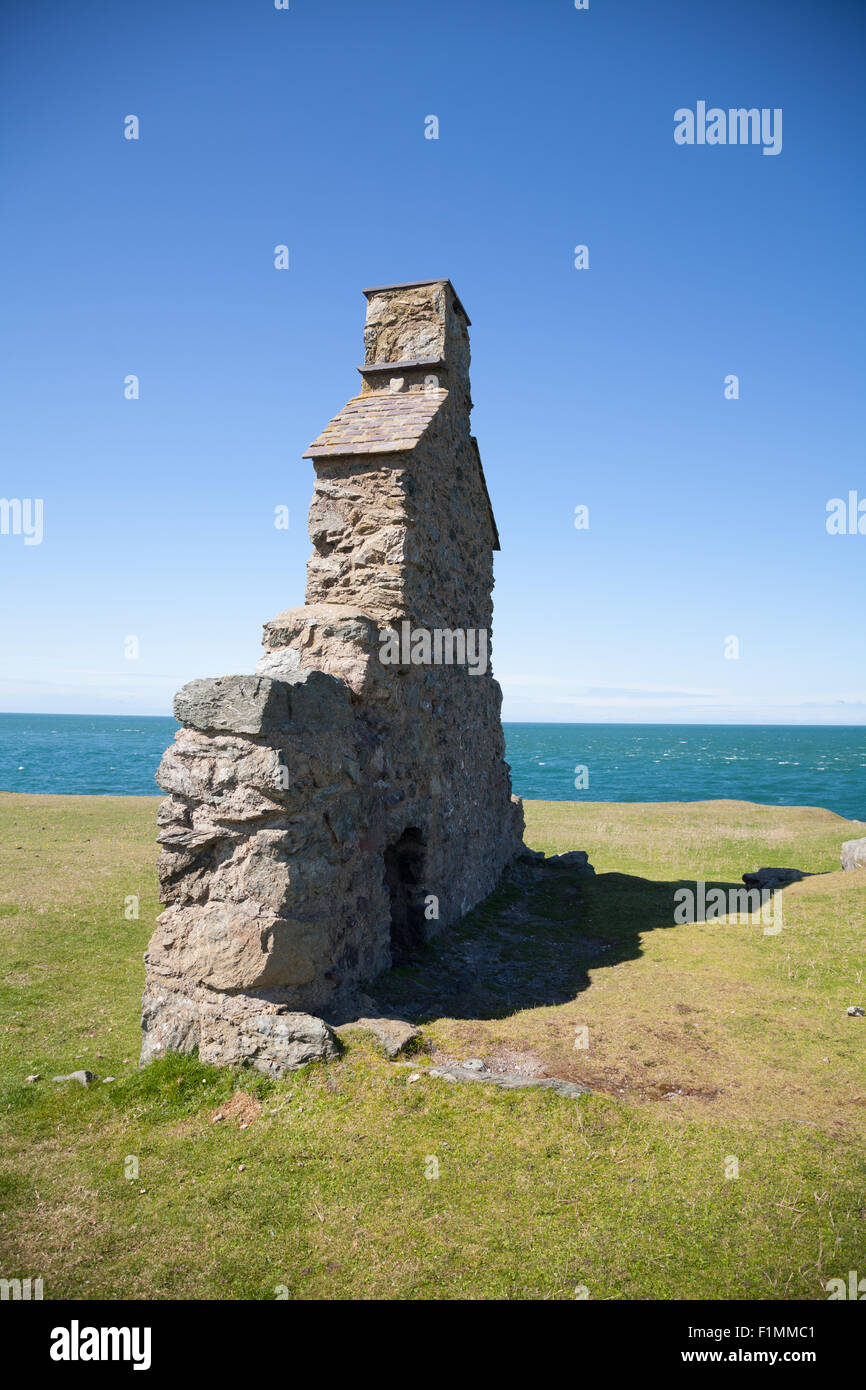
[602,387]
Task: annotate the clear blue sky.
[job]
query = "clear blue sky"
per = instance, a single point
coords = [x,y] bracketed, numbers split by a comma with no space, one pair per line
[602,387]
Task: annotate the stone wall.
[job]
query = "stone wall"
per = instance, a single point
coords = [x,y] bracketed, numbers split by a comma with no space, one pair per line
[331,811]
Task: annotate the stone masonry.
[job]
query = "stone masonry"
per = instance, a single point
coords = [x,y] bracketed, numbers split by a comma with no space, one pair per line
[329,812]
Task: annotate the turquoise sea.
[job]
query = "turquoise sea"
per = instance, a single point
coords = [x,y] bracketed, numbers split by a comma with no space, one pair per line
[777,765]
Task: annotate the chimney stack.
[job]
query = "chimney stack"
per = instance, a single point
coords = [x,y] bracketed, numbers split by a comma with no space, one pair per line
[318,806]
[415,338]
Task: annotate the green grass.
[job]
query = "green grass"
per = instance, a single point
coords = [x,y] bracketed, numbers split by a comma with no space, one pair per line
[706,1042]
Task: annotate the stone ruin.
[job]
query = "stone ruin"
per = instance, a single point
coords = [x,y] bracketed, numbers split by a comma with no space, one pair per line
[328,813]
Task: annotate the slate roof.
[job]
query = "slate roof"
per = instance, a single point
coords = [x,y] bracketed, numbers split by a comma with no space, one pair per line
[379,422]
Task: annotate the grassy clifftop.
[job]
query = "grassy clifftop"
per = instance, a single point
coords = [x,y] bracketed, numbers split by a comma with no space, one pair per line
[711,1048]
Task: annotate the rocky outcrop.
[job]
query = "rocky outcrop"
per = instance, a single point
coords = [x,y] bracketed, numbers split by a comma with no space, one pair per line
[394,1035]
[854,854]
[329,812]
[575,861]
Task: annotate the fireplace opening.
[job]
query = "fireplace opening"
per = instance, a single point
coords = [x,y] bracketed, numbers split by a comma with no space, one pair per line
[404,878]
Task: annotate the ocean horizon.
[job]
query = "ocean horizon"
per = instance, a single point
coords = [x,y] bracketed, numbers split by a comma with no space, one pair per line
[773,764]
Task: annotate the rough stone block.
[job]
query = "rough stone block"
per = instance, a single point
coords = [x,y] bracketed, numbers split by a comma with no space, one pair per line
[234,704]
[854,854]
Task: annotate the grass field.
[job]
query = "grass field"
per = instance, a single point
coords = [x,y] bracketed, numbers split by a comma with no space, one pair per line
[713,1048]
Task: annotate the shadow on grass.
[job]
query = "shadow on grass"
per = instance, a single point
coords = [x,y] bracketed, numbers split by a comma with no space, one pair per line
[532,943]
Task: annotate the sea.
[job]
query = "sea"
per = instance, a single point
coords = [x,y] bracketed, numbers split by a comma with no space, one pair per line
[778,765]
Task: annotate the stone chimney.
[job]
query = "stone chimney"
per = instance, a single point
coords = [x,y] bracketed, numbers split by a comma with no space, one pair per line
[401,515]
[416,338]
[331,811]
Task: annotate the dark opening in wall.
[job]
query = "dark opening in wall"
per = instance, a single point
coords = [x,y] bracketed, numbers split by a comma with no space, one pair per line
[404,877]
